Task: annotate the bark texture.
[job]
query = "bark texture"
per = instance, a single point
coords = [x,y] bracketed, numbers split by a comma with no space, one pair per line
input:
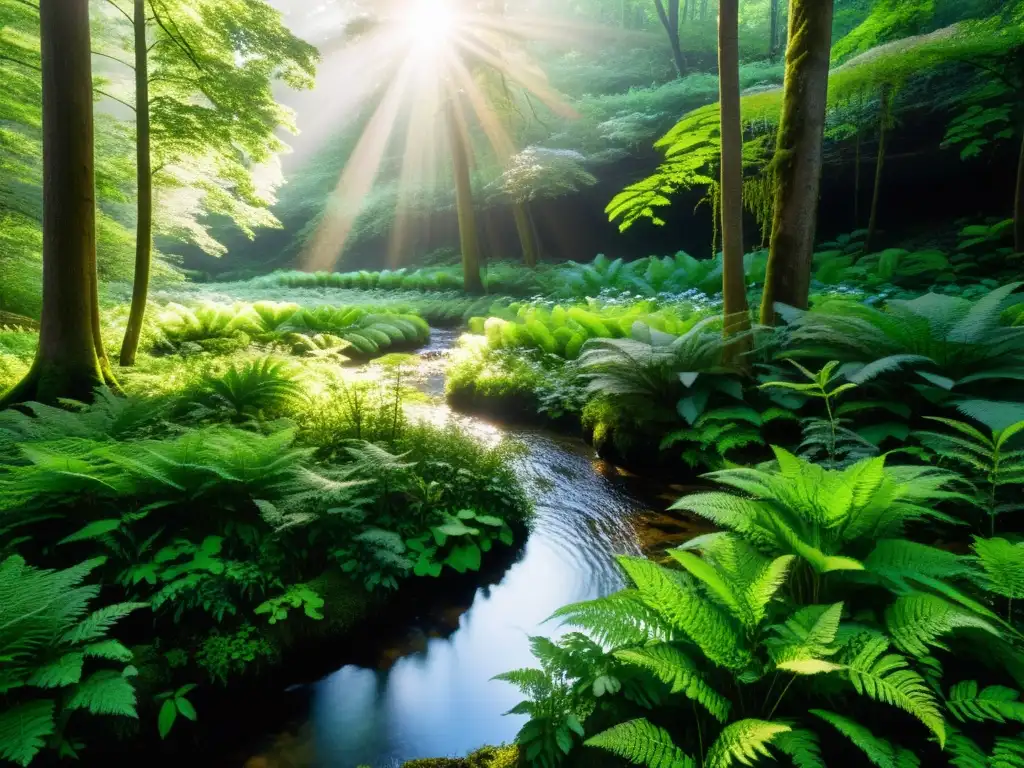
[469,236]
[1018,206]
[524,226]
[144,174]
[69,360]
[734,287]
[876,193]
[798,156]
[670,21]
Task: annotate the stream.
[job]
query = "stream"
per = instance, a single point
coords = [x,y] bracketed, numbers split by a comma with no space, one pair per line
[434,697]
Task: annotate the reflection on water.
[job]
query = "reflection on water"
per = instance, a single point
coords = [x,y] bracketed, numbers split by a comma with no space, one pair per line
[440,700]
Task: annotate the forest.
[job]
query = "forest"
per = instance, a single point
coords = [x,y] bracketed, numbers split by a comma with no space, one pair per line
[494,383]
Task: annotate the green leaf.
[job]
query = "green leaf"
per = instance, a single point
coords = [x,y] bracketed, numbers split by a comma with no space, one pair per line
[185,707]
[92,531]
[165,720]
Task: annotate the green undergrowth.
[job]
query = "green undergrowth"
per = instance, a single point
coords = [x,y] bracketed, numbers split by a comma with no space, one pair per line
[486,757]
[244,505]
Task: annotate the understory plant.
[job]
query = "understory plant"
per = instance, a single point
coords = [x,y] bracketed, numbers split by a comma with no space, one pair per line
[810,627]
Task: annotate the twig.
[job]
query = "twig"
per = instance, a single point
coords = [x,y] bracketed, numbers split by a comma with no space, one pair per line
[122,10]
[113,58]
[180,41]
[22,63]
[183,46]
[114,98]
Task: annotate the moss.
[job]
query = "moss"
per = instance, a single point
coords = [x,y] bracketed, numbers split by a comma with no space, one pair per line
[486,757]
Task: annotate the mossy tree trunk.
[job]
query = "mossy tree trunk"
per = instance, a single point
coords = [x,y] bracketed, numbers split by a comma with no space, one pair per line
[798,156]
[876,193]
[144,174]
[524,226]
[1018,206]
[734,285]
[670,21]
[469,236]
[69,361]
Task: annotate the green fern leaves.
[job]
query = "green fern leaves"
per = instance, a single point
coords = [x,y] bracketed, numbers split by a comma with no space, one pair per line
[743,742]
[887,678]
[995,702]
[642,743]
[674,668]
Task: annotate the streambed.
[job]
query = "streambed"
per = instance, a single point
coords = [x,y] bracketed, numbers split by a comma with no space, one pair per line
[429,693]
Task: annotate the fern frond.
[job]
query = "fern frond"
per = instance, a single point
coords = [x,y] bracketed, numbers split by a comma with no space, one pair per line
[642,743]
[106,692]
[886,678]
[620,619]
[879,751]
[801,746]
[677,670]
[918,620]
[744,742]
[685,608]
[24,730]
[995,702]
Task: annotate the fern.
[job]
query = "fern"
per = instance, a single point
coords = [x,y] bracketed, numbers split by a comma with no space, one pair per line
[744,741]
[879,751]
[642,743]
[620,619]
[887,678]
[986,459]
[995,702]
[677,670]
[685,608]
[918,620]
[1002,564]
[47,637]
[24,730]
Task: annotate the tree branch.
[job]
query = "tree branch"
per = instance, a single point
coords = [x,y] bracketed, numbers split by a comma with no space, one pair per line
[22,63]
[101,92]
[113,58]
[33,6]
[122,10]
[179,41]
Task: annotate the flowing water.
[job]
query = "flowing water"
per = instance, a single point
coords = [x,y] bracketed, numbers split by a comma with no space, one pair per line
[439,699]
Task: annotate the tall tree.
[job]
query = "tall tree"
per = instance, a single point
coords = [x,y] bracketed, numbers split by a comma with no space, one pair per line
[469,236]
[144,175]
[206,119]
[670,21]
[69,361]
[884,121]
[734,287]
[798,156]
[773,35]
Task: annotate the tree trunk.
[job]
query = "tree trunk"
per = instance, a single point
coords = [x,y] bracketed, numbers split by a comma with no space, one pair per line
[670,21]
[876,194]
[469,237]
[1018,206]
[68,359]
[734,284]
[773,37]
[524,227]
[798,157]
[704,10]
[144,174]
[856,186]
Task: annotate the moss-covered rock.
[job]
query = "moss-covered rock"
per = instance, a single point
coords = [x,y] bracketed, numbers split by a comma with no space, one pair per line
[487,757]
